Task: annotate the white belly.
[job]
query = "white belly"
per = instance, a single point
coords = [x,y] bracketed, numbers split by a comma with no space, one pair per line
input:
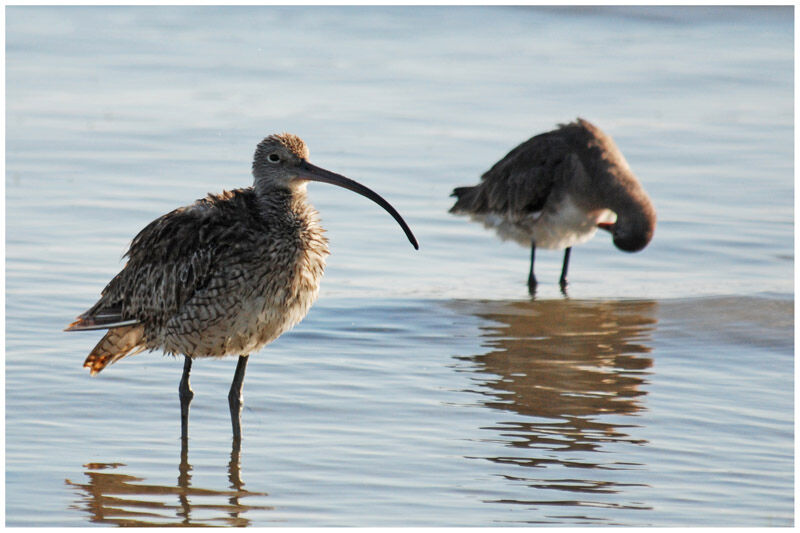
[554,228]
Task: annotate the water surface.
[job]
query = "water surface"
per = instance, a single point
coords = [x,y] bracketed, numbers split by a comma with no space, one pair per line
[424,388]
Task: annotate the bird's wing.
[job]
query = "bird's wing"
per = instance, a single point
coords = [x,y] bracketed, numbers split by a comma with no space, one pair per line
[168,261]
[521,182]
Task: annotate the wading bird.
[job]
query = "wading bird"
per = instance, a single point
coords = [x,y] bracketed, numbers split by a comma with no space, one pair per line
[554,190]
[225,275]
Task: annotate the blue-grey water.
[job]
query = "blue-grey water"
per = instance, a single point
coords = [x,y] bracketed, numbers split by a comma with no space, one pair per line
[423,388]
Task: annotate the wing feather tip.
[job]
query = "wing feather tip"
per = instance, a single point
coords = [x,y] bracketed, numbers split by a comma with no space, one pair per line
[89,325]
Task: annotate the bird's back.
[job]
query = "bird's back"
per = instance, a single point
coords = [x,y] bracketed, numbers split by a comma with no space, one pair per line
[518,183]
[523,180]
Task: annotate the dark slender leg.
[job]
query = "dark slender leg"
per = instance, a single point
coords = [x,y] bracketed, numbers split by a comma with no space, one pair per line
[563,280]
[235,397]
[234,468]
[185,393]
[531,275]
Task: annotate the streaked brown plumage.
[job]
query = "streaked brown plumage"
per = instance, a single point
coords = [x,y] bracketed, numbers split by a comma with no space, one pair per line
[225,275]
[554,190]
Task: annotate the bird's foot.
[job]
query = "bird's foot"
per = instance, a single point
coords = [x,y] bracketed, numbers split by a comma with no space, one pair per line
[532,286]
[563,284]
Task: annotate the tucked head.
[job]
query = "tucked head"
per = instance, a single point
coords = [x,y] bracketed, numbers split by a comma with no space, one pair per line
[634,228]
[281,161]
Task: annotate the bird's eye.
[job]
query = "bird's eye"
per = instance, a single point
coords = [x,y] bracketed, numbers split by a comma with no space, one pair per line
[273,158]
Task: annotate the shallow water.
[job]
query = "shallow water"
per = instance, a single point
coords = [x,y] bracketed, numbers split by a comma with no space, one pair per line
[423,388]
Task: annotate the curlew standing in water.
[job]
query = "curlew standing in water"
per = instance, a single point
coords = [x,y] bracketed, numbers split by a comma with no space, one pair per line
[554,190]
[225,275]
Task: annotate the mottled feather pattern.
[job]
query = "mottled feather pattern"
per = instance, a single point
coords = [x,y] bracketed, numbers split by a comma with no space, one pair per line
[218,260]
[115,344]
[295,144]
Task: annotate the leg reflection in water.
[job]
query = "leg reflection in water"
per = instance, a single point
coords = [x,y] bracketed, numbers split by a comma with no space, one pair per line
[113,497]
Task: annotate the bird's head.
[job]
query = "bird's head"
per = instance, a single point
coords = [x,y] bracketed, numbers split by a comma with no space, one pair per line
[278,158]
[282,161]
[633,230]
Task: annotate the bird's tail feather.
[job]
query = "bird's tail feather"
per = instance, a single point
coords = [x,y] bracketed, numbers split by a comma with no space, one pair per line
[116,344]
[468,200]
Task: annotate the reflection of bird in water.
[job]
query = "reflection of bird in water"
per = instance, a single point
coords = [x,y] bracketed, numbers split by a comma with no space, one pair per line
[568,358]
[123,500]
[225,275]
[554,190]
[570,368]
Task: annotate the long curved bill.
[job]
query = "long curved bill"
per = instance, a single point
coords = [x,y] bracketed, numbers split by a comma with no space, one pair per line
[314,173]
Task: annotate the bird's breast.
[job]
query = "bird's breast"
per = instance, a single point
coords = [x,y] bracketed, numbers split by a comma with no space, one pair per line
[263,284]
[287,296]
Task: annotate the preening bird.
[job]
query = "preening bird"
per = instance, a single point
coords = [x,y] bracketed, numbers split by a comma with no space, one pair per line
[225,275]
[556,189]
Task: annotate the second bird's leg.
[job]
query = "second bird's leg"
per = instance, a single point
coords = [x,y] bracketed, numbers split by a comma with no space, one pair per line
[185,394]
[531,275]
[235,397]
[563,280]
